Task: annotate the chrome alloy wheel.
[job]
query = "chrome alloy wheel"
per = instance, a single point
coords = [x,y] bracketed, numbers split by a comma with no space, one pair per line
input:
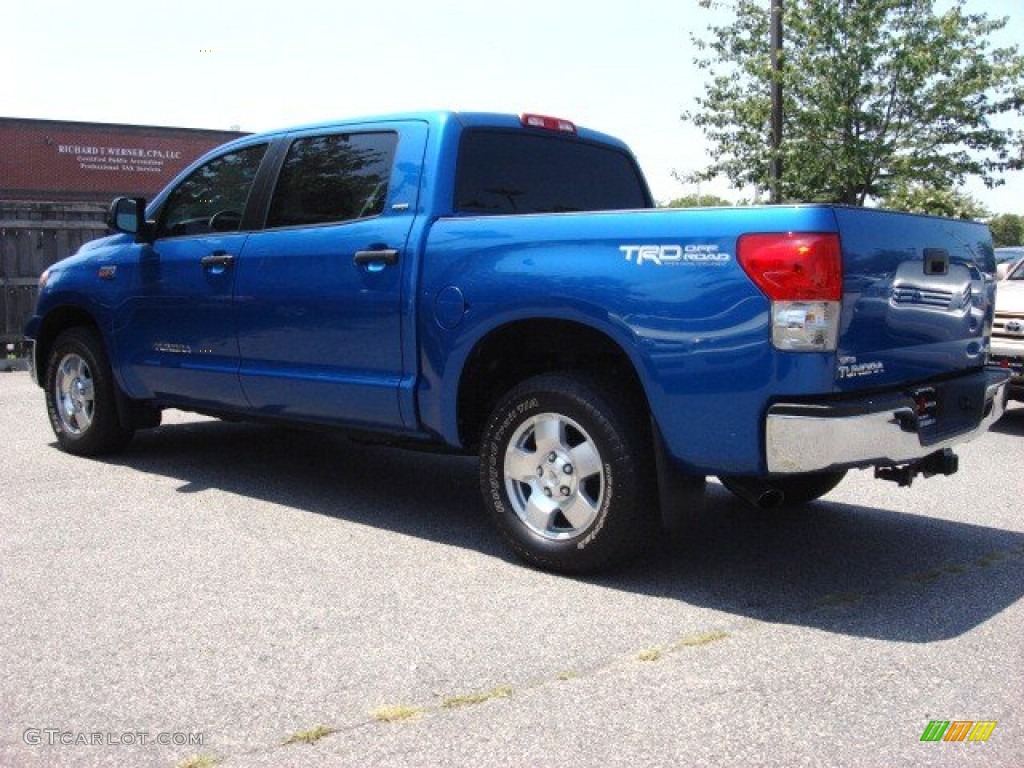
[554,476]
[76,395]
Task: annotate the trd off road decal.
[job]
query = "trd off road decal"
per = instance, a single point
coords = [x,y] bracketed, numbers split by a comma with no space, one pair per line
[675,255]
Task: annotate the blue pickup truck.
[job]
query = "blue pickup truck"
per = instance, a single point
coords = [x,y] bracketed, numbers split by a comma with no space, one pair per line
[501,286]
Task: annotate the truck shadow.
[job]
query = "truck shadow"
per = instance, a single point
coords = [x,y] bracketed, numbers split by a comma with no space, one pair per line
[840,567]
[1012,422]
[837,567]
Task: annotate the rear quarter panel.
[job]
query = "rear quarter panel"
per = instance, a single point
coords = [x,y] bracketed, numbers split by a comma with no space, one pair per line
[695,328]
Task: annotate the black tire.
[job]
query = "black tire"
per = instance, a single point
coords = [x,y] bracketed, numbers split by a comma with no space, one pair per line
[600,512]
[80,396]
[796,490]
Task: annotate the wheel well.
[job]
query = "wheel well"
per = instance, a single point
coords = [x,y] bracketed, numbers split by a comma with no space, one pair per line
[56,322]
[514,352]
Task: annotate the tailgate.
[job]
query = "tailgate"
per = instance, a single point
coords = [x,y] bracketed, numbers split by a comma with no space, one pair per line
[918,296]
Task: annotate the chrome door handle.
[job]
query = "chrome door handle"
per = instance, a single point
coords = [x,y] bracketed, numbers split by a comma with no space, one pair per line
[217,259]
[386,256]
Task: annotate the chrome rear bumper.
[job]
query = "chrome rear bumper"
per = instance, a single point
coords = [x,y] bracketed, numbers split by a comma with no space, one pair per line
[811,437]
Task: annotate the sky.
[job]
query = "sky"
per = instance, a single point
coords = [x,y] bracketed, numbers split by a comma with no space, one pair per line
[624,67]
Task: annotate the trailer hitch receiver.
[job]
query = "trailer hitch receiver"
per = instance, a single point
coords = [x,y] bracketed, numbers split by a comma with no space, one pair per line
[943,462]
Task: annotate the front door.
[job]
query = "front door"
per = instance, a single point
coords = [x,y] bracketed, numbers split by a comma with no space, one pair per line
[176,334]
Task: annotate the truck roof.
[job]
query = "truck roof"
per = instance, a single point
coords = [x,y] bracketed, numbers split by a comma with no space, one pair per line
[435,118]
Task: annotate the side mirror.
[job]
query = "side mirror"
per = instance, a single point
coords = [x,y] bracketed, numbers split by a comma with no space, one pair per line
[128,215]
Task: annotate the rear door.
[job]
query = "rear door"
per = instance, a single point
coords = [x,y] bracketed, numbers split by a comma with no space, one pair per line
[319,291]
[918,297]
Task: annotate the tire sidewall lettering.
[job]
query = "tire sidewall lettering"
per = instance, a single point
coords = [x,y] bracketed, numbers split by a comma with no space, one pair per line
[602,514]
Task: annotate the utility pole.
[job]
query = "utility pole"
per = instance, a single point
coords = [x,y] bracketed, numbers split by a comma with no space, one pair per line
[776,166]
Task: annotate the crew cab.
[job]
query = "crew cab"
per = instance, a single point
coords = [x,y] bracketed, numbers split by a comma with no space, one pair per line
[503,286]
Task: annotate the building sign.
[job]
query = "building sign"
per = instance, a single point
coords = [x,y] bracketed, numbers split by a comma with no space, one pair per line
[93,162]
[120,159]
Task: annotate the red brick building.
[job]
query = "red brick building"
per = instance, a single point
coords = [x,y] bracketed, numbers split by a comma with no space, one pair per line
[57,179]
[53,160]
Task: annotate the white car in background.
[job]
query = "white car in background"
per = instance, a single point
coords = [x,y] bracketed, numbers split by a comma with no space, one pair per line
[1006,259]
[1008,330]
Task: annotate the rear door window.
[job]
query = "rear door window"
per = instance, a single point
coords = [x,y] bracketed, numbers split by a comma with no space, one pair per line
[333,178]
[501,172]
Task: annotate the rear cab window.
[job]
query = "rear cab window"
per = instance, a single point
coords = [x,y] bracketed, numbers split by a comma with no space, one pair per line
[517,172]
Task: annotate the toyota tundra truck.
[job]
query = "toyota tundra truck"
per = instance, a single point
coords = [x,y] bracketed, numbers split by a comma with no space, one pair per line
[503,286]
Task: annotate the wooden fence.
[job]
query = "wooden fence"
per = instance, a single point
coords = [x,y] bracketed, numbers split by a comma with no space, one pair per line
[34,235]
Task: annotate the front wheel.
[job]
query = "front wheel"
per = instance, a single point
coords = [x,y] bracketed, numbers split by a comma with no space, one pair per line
[567,473]
[80,396]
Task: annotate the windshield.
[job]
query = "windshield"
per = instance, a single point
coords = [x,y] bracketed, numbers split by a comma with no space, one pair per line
[1008,255]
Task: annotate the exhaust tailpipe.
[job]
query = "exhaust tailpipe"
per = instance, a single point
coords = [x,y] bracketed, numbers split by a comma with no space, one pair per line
[756,492]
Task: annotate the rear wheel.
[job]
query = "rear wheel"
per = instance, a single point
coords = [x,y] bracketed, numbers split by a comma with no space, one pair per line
[567,473]
[80,397]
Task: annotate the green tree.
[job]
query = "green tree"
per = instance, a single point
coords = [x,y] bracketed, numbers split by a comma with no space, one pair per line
[1007,229]
[876,94]
[697,201]
[918,198]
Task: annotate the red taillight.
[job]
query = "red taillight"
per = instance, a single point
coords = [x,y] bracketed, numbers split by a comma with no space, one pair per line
[548,123]
[793,266]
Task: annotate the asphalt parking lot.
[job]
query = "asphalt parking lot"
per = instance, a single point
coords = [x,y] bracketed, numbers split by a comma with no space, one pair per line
[229,588]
